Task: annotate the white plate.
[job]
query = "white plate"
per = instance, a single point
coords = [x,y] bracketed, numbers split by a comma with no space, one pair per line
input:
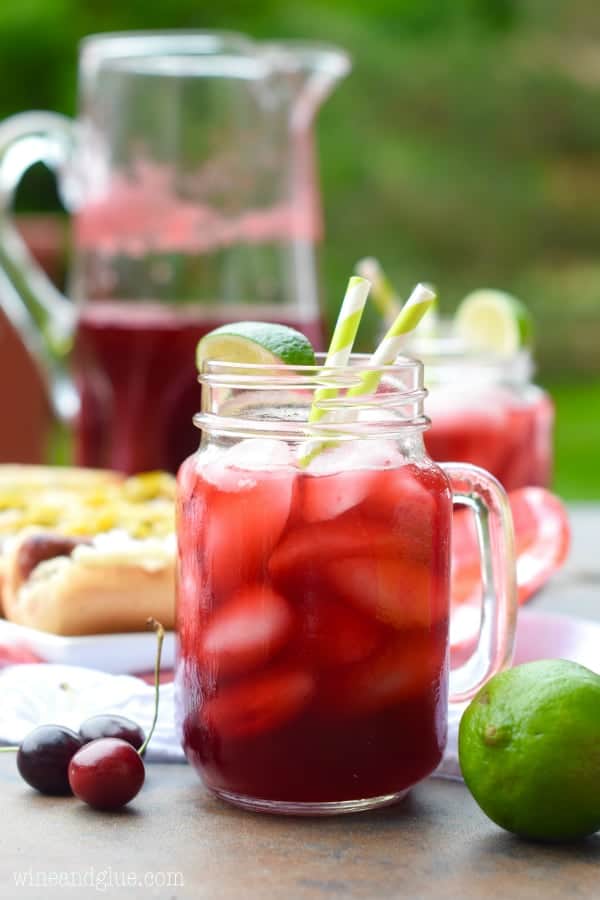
[116,653]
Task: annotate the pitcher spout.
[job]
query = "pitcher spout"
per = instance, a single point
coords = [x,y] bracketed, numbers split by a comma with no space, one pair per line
[310,72]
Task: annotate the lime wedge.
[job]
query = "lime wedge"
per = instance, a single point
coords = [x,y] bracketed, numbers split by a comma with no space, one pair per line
[255,343]
[493,321]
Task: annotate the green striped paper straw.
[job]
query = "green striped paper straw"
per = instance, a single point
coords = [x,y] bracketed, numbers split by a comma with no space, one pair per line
[340,348]
[406,321]
[382,293]
[343,338]
[419,302]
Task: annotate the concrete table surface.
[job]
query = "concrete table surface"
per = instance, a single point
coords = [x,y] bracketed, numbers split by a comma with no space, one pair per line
[178,842]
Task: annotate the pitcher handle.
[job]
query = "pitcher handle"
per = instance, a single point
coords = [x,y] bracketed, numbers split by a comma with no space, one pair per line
[482,493]
[44,318]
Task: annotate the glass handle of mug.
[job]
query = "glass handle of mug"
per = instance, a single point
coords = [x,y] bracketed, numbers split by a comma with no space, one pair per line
[483,495]
[44,318]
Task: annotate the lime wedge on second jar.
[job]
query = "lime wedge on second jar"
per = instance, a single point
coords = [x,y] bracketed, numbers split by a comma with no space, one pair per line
[255,343]
[490,321]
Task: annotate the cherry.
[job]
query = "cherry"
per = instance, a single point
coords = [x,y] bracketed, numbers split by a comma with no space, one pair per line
[109,772]
[44,756]
[106,773]
[101,765]
[112,727]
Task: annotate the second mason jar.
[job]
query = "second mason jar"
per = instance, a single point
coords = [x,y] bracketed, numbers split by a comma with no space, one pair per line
[486,410]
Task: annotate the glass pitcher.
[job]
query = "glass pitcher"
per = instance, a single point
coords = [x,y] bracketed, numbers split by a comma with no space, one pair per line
[191,178]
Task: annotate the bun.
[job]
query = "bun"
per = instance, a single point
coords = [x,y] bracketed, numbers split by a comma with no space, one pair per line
[97,589]
[85,551]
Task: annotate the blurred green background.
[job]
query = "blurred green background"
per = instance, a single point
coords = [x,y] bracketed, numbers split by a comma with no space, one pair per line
[464,149]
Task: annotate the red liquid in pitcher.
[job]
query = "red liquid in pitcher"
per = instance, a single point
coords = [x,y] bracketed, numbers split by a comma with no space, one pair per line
[136,374]
[313,626]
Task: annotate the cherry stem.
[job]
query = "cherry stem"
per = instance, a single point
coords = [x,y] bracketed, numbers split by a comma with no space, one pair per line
[160,636]
[9,749]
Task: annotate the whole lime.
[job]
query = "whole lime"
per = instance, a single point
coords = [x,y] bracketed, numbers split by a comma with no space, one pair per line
[529,750]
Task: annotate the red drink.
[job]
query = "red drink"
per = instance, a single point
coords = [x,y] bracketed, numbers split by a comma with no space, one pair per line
[508,433]
[136,374]
[313,621]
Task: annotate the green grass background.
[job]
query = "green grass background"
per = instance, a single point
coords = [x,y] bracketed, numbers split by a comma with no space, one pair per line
[464,149]
[577,460]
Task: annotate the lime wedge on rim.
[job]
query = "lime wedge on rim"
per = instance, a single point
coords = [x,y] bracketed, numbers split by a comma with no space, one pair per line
[493,321]
[255,343]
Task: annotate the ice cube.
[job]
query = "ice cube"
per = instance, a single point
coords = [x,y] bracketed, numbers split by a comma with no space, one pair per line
[238,467]
[246,631]
[259,704]
[409,667]
[258,453]
[394,592]
[242,526]
[341,477]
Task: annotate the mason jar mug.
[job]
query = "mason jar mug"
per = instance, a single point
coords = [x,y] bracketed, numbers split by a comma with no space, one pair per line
[314,588]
